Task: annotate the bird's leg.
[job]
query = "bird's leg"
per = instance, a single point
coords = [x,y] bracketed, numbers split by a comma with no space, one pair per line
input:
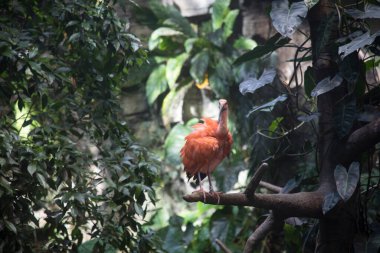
[212,192]
[201,187]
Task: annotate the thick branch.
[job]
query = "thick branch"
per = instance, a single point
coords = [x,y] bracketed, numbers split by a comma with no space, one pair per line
[271,223]
[361,140]
[251,187]
[302,204]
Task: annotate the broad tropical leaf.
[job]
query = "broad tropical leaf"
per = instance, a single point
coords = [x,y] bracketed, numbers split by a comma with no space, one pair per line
[267,107]
[199,66]
[252,84]
[326,85]
[344,116]
[173,68]
[156,83]
[286,20]
[270,46]
[154,39]
[330,200]
[370,11]
[346,183]
[357,42]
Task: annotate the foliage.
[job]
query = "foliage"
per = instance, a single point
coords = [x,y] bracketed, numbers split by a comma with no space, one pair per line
[277,120]
[186,53]
[70,169]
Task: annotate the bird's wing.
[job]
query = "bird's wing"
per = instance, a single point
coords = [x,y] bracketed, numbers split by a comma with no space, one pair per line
[197,154]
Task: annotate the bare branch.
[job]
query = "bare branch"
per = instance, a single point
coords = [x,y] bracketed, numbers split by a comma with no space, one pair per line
[301,204]
[271,223]
[222,246]
[251,187]
[271,187]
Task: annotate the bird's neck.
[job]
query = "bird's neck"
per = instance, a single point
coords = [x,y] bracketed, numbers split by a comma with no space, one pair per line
[222,123]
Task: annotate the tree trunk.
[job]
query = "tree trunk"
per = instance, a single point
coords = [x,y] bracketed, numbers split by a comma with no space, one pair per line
[336,229]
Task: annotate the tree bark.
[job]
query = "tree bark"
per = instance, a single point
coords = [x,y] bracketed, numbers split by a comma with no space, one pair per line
[336,229]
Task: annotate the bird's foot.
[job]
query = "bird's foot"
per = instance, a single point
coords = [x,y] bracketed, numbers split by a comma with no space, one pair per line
[203,192]
[215,194]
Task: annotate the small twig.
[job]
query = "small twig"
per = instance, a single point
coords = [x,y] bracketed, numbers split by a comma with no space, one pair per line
[251,187]
[271,187]
[222,246]
[271,223]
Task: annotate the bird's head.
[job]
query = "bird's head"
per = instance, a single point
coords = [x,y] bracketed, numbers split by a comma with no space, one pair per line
[223,105]
[223,116]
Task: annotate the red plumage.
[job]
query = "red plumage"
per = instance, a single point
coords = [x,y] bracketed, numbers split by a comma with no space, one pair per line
[207,146]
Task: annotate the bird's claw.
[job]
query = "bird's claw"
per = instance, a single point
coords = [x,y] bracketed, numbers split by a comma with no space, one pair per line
[217,194]
[204,194]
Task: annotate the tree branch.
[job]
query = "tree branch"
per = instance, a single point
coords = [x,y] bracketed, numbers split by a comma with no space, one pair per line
[251,187]
[271,187]
[301,204]
[271,223]
[222,246]
[361,140]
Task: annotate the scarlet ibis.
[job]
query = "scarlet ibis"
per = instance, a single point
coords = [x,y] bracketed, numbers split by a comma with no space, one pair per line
[206,147]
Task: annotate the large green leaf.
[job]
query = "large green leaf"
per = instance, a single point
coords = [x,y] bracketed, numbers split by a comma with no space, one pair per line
[286,20]
[199,66]
[173,68]
[156,83]
[155,37]
[218,13]
[174,142]
[370,11]
[357,42]
[309,82]
[229,22]
[271,45]
[346,183]
[344,116]
[252,84]
[267,107]
[330,200]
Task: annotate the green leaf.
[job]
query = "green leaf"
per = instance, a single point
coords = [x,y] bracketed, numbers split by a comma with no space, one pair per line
[10,226]
[373,243]
[330,200]
[174,142]
[310,3]
[218,13]
[245,43]
[357,42]
[324,31]
[309,82]
[139,210]
[173,68]
[370,11]
[327,84]
[344,116]
[267,107]
[156,83]
[171,109]
[275,123]
[346,183]
[286,20]
[250,85]
[42,181]
[229,23]
[74,37]
[32,168]
[271,45]
[199,66]
[154,39]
